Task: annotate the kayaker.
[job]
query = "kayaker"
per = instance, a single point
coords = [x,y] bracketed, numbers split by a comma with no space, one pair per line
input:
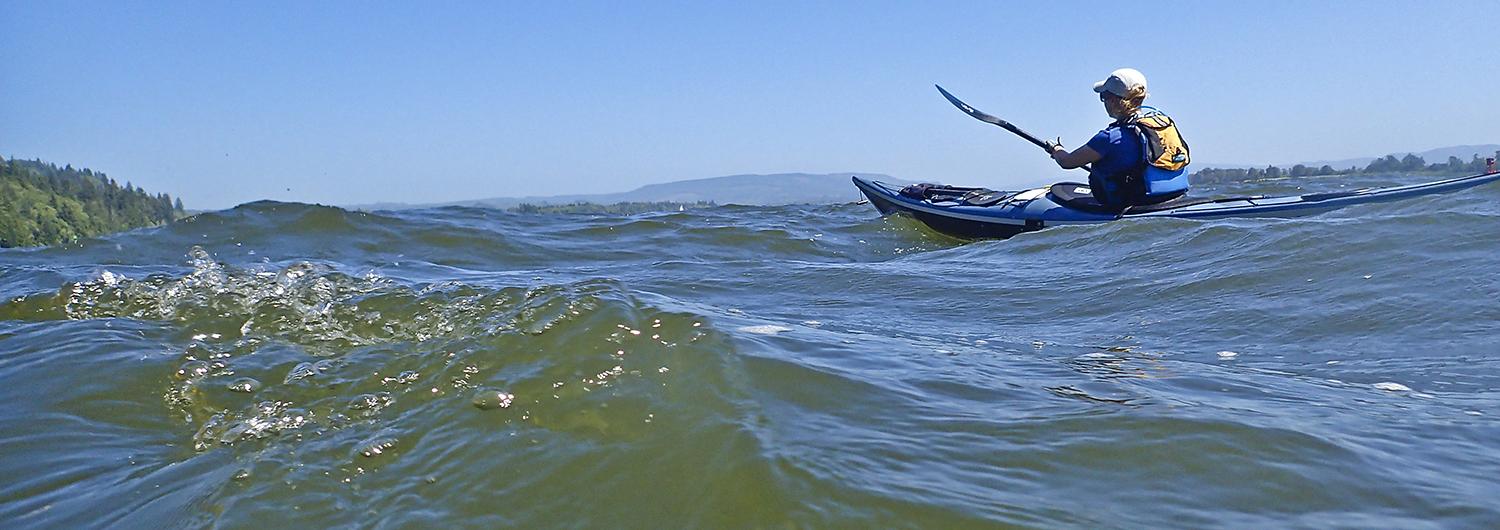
[1121,174]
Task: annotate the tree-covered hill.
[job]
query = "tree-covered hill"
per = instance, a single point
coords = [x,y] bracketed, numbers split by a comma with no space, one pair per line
[42,204]
[1409,164]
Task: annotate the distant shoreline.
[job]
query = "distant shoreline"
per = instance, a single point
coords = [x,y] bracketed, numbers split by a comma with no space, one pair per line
[1389,164]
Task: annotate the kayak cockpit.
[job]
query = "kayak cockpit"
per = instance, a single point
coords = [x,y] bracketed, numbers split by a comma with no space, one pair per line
[1078,197]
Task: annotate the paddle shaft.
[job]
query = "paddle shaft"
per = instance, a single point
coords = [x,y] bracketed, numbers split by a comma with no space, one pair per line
[981,116]
[1023,134]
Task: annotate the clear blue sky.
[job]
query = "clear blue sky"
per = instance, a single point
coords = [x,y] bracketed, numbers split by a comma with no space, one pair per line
[222,103]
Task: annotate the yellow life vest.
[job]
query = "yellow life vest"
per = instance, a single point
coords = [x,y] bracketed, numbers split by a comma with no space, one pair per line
[1164,151]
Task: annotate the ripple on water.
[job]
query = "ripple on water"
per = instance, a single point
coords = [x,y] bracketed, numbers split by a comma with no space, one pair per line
[317,376]
[500,370]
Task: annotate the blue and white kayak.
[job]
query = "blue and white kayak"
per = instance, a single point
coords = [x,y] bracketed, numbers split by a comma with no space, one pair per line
[983,213]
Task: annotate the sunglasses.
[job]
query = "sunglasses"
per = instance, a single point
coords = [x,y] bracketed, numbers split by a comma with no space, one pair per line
[1102,96]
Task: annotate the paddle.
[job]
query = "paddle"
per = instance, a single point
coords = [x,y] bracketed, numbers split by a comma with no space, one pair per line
[997,121]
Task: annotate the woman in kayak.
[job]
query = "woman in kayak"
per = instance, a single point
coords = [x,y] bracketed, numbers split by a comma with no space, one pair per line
[1139,158]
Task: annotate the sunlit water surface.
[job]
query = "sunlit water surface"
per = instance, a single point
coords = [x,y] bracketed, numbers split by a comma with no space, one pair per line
[286,365]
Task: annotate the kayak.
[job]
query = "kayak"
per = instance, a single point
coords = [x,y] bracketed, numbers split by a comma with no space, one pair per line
[984,213]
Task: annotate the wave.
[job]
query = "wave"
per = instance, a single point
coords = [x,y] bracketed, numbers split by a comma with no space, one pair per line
[749,366]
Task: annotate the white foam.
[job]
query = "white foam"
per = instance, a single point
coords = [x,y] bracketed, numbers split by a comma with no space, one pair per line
[1228,354]
[1392,387]
[110,278]
[768,329]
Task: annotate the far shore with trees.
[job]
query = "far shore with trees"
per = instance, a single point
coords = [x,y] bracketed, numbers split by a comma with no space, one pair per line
[1409,164]
[42,204]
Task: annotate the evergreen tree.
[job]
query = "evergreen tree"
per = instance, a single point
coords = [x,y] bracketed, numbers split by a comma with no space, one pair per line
[42,204]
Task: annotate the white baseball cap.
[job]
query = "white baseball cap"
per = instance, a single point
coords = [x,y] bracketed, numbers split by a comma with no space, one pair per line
[1126,82]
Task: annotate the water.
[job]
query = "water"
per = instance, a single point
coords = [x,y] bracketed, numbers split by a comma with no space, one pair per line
[765,367]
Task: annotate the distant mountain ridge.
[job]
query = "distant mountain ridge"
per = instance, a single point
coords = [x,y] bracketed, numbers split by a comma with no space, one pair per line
[810,188]
[748,189]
